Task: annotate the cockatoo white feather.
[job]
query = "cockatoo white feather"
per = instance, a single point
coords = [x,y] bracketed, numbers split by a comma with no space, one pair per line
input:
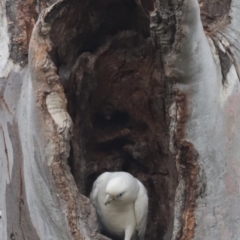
[121,203]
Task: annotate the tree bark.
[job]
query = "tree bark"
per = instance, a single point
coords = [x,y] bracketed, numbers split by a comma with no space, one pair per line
[147,87]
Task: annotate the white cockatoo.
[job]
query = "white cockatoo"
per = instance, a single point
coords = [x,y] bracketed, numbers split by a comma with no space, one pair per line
[121,203]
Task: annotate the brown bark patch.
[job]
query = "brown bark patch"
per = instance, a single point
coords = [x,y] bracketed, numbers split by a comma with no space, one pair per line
[215,14]
[187,158]
[59,174]
[188,170]
[182,115]
[21,17]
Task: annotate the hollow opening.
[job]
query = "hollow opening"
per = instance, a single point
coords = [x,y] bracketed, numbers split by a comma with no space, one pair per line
[108,67]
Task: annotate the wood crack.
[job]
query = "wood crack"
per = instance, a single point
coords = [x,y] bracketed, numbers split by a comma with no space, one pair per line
[21,200]
[5,104]
[6,154]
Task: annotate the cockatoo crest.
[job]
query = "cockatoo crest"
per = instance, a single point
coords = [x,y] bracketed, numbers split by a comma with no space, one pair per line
[121,202]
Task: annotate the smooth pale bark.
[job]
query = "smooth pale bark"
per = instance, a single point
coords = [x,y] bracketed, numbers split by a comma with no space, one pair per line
[213,116]
[39,198]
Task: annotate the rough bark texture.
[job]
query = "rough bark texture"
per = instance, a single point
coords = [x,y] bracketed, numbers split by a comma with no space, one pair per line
[117,102]
[147,87]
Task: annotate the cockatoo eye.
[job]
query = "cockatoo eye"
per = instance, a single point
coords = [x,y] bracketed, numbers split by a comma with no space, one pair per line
[119,195]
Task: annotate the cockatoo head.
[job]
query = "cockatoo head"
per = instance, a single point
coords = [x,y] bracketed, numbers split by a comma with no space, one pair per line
[121,189]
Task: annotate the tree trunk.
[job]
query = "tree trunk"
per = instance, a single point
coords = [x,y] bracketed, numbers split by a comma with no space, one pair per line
[148,87]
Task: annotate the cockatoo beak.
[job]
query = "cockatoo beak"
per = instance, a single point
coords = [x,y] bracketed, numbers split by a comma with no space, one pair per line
[108,199]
